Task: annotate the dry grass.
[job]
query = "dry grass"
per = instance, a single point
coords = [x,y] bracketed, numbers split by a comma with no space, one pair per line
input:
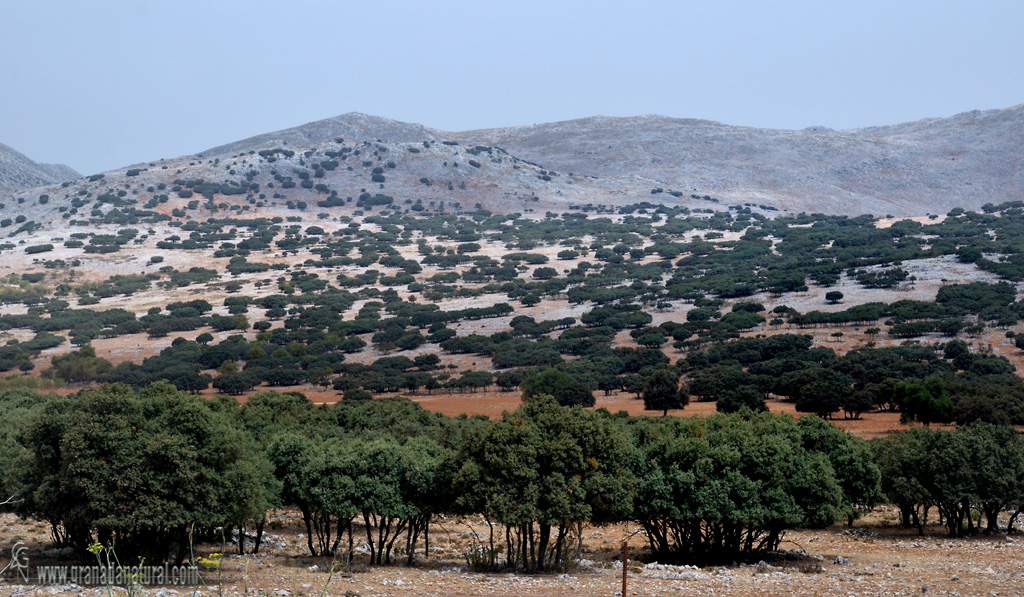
[883,559]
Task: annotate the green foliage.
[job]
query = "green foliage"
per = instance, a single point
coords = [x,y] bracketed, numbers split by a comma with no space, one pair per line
[141,467]
[976,296]
[661,391]
[709,489]
[80,366]
[543,467]
[736,399]
[923,400]
[367,201]
[855,469]
[194,275]
[820,391]
[18,407]
[272,153]
[977,467]
[886,278]
[566,389]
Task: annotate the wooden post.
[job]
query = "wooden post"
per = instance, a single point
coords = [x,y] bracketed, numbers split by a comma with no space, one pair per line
[625,564]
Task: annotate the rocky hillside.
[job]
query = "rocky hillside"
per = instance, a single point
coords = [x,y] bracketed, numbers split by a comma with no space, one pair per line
[19,172]
[928,166]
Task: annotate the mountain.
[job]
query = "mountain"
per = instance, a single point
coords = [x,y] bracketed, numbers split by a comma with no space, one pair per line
[929,165]
[337,165]
[352,126]
[19,172]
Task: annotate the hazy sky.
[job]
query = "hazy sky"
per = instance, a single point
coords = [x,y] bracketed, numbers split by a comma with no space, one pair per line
[98,84]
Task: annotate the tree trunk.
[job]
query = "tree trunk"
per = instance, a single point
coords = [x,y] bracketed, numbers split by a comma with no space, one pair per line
[382,527]
[369,537]
[350,556]
[337,537]
[259,534]
[991,517]
[511,553]
[491,527]
[579,541]
[308,519]
[416,526]
[408,545]
[558,545]
[905,510]
[532,559]
[543,537]
[391,544]
[426,540]
[1013,520]
[183,545]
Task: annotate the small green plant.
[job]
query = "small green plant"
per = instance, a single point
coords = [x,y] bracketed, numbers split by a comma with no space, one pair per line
[107,558]
[481,559]
[212,562]
[330,576]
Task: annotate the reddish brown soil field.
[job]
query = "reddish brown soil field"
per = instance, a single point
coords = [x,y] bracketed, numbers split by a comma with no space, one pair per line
[492,403]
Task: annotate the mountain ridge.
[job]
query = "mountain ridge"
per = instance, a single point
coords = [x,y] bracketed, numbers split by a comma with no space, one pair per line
[17,171]
[926,166]
[874,169]
[327,129]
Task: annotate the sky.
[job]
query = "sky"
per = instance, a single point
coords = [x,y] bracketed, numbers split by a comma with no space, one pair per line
[102,84]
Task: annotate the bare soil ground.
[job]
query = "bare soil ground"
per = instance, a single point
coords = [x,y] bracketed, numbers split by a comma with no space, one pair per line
[874,557]
[493,403]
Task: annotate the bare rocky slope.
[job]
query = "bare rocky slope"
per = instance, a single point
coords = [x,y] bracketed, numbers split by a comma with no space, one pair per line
[19,172]
[927,166]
